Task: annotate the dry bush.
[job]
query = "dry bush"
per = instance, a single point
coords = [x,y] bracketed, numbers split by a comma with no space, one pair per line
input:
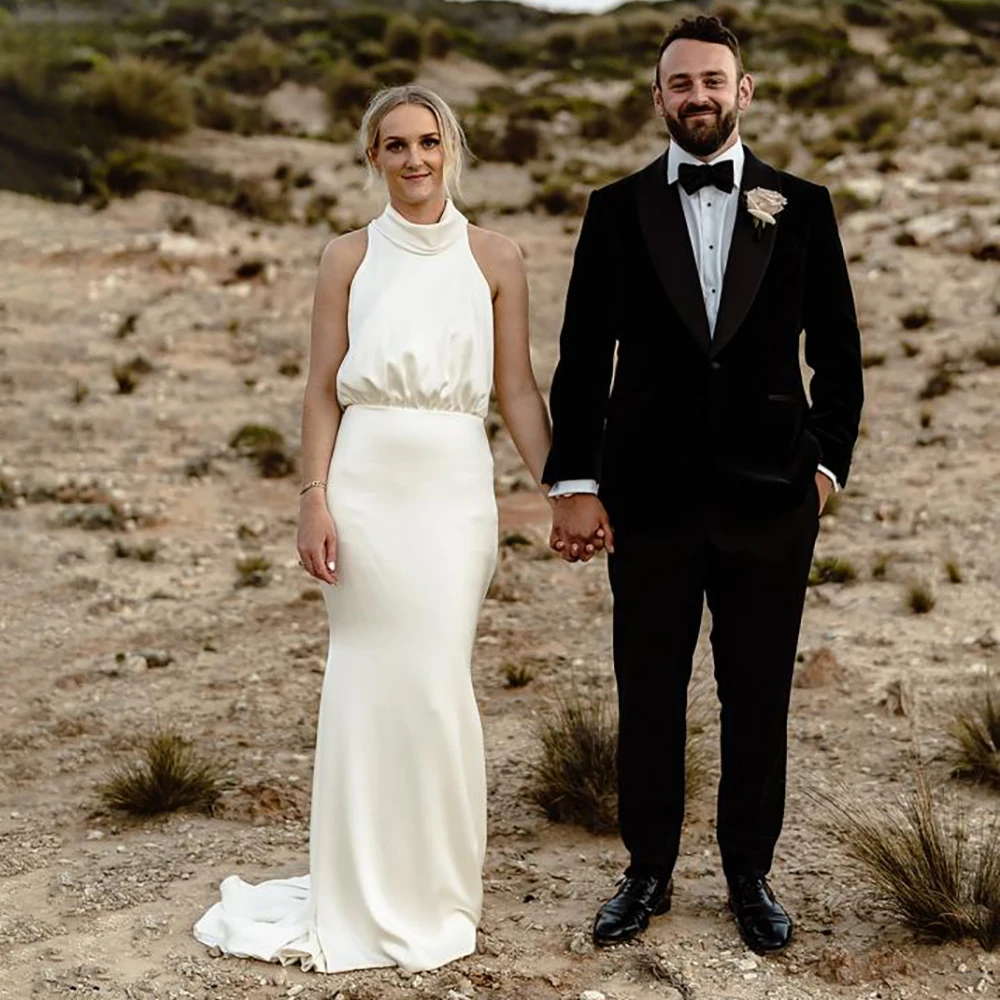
[266,446]
[975,731]
[953,571]
[919,598]
[348,90]
[988,353]
[880,567]
[403,38]
[576,775]
[252,64]
[517,675]
[916,318]
[140,97]
[437,39]
[939,383]
[171,775]
[253,571]
[129,374]
[914,857]
[559,196]
[831,569]
[576,778]
[147,551]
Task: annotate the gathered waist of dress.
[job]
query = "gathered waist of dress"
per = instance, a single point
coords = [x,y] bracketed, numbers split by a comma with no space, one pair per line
[402,408]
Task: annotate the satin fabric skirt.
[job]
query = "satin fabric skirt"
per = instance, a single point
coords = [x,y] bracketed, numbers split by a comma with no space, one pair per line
[398,820]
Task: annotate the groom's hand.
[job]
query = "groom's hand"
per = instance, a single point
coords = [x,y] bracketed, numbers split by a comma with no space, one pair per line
[580,527]
[824,487]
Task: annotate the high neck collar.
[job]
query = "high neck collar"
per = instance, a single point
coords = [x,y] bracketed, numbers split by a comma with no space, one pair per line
[423,238]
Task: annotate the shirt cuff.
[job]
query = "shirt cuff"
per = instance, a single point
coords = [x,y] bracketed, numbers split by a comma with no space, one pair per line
[565,486]
[829,475]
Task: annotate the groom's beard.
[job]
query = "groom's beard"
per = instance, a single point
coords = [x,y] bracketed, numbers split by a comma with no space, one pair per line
[703,136]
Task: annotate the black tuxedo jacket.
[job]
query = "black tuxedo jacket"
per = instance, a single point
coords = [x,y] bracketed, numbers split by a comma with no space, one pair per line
[689,414]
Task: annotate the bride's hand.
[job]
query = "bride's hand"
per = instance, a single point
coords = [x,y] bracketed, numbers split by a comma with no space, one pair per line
[317,538]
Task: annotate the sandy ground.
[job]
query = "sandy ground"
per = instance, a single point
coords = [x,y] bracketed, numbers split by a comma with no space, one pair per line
[95,905]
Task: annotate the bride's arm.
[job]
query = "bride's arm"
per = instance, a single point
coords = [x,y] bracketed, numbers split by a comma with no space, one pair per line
[320,409]
[520,401]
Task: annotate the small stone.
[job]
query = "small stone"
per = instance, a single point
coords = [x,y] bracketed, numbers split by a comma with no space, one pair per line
[581,943]
[215,951]
[592,995]
[295,990]
[280,978]
[747,964]
[988,639]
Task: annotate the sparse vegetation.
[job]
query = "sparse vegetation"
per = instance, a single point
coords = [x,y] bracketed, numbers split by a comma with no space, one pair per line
[988,353]
[975,732]
[517,675]
[253,571]
[920,598]
[266,446]
[880,567]
[915,857]
[170,775]
[953,571]
[129,374]
[832,569]
[916,318]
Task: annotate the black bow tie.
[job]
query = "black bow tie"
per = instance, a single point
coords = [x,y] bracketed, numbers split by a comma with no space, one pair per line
[694,178]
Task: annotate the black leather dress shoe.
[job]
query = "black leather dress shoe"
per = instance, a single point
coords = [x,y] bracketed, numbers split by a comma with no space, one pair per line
[763,922]
[628,912]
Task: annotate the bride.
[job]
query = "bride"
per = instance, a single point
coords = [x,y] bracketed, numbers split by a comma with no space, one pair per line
[414,317]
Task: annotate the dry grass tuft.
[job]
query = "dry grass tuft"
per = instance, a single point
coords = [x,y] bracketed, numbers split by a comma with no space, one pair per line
[988,353]
[576,776]
[975,729]
[171,775]
[920,598]
[576,779]
[517,675]
[832,569]
[915,858]
[954,571]
[253,571]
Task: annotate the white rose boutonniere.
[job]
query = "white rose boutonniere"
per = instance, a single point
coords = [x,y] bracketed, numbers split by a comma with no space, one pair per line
[764,204]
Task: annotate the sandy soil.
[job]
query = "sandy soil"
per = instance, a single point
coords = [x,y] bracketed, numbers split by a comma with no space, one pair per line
[95,905]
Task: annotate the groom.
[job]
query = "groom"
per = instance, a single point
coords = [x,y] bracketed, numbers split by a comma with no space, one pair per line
[700,465]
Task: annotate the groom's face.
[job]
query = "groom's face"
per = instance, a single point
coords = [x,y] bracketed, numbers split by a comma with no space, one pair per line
[699,95]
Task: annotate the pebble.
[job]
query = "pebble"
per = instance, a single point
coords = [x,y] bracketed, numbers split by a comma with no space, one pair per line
[280,978]
[295,990]
[747,964]
[581,944]
[592,995]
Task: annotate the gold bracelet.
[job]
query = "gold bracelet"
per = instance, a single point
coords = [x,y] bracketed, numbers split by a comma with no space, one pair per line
[309,486]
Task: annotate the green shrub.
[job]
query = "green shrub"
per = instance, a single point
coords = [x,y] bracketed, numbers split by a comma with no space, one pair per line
[437,39]
[403,38]
[139,97]
[348,91]
[252,64]
[394,72]
[560,197]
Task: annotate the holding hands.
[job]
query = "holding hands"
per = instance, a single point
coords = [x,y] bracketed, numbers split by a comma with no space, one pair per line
[580,527]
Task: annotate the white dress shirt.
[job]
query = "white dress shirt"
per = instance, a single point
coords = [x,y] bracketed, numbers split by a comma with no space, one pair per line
[710,215]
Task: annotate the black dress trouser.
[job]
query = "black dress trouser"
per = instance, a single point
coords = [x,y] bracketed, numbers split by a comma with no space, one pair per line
[753,570]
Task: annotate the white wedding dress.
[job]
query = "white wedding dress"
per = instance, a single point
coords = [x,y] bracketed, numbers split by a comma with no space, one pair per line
[398,823]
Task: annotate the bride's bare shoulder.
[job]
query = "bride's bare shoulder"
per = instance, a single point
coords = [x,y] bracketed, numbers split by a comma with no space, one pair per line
[343,254]
[493,246]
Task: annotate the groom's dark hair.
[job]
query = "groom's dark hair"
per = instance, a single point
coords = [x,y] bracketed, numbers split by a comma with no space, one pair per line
[702,29]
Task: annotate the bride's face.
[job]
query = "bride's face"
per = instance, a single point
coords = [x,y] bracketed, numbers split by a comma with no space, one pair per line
[409,154]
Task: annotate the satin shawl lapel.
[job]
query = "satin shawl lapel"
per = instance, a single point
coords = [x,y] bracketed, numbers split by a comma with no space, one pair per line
[749,254]
[666,234]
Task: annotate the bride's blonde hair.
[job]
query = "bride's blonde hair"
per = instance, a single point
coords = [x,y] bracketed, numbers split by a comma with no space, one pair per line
[453,143]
